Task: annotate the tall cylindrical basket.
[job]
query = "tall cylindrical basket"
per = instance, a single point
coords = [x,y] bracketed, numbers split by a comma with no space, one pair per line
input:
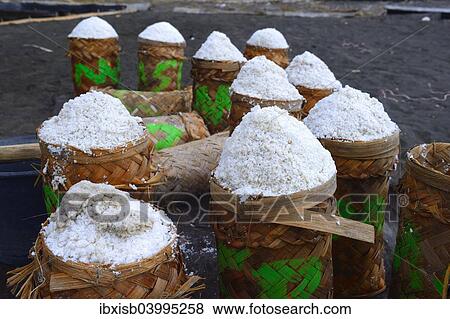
[279,56]
[312,96]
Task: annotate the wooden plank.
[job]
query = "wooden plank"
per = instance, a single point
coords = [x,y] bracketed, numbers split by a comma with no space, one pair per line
[19,152]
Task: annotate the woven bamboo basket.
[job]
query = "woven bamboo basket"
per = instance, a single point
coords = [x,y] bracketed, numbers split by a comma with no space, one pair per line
[160,65]
[279,56]
[312,96]
[363,170]
[177,129]
[242,104]
[145,104]
[95,63]
[126,167]
[260,259]
[212,80]
[48,276]
[422,255]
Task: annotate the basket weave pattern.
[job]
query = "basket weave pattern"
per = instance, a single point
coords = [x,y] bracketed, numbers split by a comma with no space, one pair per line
[279,56]
[95,63]
[156,57]
[363,170]
[48,276]
[212,80]
[266,260]
[423,242]
[312,96]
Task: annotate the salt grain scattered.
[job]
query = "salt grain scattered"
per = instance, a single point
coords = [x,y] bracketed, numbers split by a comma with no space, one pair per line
[77,236]
[351,115]
[93,28]
[263,79]
[92,120]
[162,32]
[311,72]
[218,47]
[271,153]
[268,38]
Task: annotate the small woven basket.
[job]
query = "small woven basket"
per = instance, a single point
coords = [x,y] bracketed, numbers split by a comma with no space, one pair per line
[212,80]
[126,167]
[48,276]
[172,130]
[242,104]
[95,63]
[312,96]
[422,255]
[279,56]
[160,65]
[363,170]
[145,104]
[271,260]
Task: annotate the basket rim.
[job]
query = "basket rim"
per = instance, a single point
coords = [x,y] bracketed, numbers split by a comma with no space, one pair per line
[97,152]
[161,43]
[424,173]
[251,46]
[93,39]
[297,103]
[329,90]
[228,65]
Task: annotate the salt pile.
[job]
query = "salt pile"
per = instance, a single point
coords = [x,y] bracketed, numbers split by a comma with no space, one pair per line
[92,120]
[263,79]
[162,32]
[93,28]
[351,115]
[218,47]
[271,153]
[76,236]
[311,72]
[268,38]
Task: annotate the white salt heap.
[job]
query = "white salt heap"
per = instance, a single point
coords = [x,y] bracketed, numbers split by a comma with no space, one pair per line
[351,115]
[218,47]
[309,71]
[93,28]
[162,32]
[268,38]
[263,79]
[92,120]
[76,236]
[271,153]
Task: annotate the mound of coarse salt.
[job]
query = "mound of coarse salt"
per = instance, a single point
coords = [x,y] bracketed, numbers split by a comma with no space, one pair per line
[311,72]
[93,28]
[271,153]
[162,32]
[351,115]
[218,47]
[268,38]
[263,79]
[92,120]
[88,232]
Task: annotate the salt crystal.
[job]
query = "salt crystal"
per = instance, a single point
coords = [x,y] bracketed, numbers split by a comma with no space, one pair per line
[271,153]
[311,72]
[93,28]
[218,47]
[268,38]
[351,115]
[89,238]
[162,32]
[263,79]
[92,120]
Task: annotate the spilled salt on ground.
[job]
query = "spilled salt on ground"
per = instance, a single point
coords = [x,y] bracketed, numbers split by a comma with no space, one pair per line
[311,72]
[162,32]
[93,28]
[76,236]
[263,79]
[92,120]
[271,153]
[218,47]
[349,114]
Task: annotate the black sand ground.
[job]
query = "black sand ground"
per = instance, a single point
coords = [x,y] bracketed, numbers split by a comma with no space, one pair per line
[399,59]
